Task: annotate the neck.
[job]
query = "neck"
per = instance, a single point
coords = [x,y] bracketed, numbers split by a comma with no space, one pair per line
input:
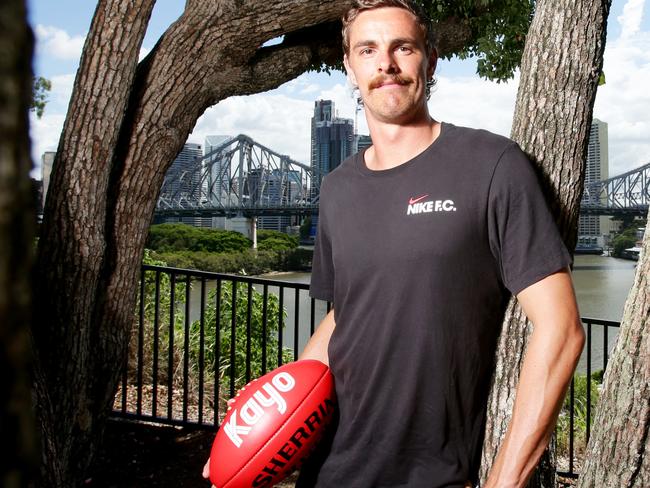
[394,144]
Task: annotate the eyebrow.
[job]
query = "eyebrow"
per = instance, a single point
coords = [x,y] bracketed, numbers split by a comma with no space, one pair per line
[395,42]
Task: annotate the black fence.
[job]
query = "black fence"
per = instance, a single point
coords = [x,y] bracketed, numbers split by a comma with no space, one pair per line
[200,336]
[182,365]
[574,425]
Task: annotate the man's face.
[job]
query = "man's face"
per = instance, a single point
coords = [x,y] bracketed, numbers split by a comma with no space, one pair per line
[389,64]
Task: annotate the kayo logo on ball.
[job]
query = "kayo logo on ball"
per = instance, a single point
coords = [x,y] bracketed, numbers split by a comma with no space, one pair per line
[253,410]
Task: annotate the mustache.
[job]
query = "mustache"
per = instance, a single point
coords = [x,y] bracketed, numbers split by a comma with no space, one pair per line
[383,79]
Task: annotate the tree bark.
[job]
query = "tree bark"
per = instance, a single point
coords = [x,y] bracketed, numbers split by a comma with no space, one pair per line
[560,68]
[17,216]
[618,453]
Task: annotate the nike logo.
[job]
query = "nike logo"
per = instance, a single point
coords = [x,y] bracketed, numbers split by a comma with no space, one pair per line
[416,200]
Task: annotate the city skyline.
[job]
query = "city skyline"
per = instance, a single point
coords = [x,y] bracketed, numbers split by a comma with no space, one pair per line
[280,118]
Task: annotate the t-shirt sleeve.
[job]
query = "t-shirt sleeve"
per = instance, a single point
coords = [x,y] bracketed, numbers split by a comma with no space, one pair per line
[523,235]
[322,269]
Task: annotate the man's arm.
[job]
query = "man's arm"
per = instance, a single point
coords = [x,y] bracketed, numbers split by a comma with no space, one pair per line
[316,348]
[551,357]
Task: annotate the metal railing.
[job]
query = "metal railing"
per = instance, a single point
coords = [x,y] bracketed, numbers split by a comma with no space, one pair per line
[192,350]
[182,356]
[583,395]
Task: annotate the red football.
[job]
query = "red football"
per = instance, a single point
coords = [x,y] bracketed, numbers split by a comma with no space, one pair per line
[273,424]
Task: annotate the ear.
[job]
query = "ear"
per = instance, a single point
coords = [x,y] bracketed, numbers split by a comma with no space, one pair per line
[433,62]
[349,71]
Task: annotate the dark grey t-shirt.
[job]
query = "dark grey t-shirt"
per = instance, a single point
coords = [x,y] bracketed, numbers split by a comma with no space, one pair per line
[420,261]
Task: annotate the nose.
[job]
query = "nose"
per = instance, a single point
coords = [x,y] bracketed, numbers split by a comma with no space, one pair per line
[386,62]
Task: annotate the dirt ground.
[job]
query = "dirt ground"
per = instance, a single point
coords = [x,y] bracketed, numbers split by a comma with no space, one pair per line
[140,455]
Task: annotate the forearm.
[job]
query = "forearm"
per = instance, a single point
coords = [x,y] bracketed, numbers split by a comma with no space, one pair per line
[551,357]
[317,346]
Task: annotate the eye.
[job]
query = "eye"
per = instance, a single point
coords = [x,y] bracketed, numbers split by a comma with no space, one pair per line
[404,49]
[365,51]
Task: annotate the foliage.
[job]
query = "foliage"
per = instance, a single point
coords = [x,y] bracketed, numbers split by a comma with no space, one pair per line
[262,341]
[40,87]
[156,329]
[156,318]
[249,262]
[305,228]
[498,28]
[297,260]
[272,240]
[181,237]
[579,413]
[624,240]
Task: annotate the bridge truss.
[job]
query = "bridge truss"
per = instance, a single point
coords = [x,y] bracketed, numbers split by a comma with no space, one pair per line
[628,193]
[241,178]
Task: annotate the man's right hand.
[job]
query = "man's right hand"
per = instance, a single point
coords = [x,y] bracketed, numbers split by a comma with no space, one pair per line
[206,471]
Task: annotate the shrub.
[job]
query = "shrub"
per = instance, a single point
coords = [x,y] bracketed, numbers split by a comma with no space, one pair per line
[183,237]
[248,262]
[156,328]
[263,343]
[274,240]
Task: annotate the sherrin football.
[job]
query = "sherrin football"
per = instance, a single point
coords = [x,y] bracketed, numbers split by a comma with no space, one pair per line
[272,425]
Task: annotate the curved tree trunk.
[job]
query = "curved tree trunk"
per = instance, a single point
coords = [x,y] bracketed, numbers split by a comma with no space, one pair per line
[560,68]
[126,123]
[618,453]
[73,244]
[17,218]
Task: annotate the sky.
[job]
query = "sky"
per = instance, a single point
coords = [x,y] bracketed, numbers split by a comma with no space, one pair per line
[280,119]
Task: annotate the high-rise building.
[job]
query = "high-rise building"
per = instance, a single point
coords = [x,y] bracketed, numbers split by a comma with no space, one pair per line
[47,160]
[181,184]
[591,228]
[332,138]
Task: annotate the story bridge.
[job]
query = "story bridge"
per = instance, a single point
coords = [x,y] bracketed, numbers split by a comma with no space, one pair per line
[243,178]
[625,194]
[240,178]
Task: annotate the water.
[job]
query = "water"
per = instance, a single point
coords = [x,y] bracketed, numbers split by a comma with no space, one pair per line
[602,285]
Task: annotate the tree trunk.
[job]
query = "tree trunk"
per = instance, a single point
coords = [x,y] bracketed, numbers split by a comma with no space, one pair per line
[17,218]
[560,68]
[125,125]
[618,453]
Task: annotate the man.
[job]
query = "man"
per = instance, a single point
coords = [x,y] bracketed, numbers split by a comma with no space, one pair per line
[422,239]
